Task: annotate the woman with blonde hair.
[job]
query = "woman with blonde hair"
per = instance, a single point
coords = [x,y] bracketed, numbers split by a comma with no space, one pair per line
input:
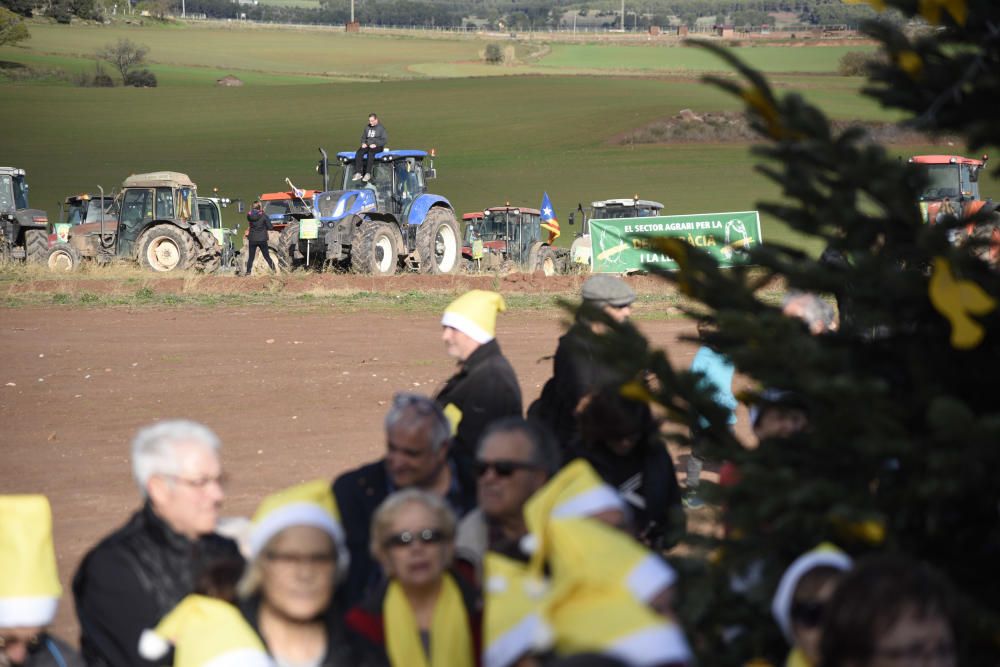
[424,615]
[297,557]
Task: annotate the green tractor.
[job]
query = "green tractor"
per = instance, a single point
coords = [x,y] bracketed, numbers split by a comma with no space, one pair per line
[24,231]
[155,220]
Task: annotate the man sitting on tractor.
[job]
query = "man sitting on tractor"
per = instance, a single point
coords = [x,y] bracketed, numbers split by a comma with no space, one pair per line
[373,140]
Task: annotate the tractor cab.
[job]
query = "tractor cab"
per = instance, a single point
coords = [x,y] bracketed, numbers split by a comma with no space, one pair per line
[951,185]
[508,231]
[398,178]
[13,190]
[607,209]
[284,207]
[84,208]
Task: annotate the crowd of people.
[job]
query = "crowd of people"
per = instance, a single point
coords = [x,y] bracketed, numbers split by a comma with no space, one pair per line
[481,538]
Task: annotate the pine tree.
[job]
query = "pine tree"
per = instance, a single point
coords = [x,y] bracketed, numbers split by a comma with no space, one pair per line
[904,445]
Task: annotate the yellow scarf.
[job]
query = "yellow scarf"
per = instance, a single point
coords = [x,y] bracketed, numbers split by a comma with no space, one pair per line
[797,659]
[451,642]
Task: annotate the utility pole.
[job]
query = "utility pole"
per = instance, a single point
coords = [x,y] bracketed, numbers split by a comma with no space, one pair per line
[184,9]
[352,11]
[623,15]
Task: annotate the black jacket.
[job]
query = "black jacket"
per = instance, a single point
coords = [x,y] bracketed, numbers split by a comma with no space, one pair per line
[343,649]
[577,371]
[259,225]
[359,493]
[131,579]
[485,389]
[375,136]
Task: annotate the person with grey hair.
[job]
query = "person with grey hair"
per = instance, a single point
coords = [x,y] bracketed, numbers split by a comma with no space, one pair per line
[138,573]
[418,455]
[818,315]
[515,459]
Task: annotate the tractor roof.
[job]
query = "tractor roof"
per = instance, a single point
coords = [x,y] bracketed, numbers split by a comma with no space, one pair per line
[388,156]
[628,201]
[159,179]
[281,196]
[11,171]
[500,209]
[945,159]
[475,215]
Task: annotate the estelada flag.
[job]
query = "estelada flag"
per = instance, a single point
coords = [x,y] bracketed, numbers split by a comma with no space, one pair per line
[547,220]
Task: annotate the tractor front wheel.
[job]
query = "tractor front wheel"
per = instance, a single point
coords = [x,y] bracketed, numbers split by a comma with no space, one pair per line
[373,250]
[546,261]
[438,242]
[62,258]
[36,245]
[166,248]
[288,245]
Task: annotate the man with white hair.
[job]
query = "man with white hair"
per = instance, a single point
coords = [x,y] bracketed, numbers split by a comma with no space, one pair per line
[134,576]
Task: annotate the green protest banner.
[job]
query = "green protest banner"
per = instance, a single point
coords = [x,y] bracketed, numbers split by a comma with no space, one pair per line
[623,244]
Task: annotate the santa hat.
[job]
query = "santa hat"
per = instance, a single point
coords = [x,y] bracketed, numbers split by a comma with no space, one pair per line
[306,504]
[205,632]
[825,555]
[475,314]
[29,588]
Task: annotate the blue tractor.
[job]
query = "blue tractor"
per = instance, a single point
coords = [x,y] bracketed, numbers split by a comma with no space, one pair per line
[377,227]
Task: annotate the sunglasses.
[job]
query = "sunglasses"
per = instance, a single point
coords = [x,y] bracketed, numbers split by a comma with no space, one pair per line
[808,614]
[408,537]
[502,468]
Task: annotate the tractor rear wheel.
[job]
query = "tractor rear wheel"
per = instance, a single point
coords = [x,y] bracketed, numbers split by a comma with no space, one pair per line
[438,242]
[210,258]
[62,258]
[166,248]
[36,245]
[546,261]
[288,243]
[374,250]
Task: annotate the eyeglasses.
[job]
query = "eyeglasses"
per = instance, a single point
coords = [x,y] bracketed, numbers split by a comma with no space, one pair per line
[289,559]
[407,537]
[201,483]
[808,613]
[503,468]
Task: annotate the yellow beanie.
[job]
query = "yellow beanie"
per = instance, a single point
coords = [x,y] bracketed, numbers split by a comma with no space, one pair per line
[29,585]
[307,504]
[205,632]
[475,314]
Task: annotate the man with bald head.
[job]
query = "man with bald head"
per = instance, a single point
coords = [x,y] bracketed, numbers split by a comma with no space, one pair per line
[418,455]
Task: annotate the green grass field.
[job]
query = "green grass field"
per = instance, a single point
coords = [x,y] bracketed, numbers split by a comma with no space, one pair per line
[498,139]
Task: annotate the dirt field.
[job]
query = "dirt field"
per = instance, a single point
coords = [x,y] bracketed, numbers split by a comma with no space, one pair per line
[293,396]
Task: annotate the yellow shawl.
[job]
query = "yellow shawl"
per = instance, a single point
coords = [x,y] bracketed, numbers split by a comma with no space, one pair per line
[451,641]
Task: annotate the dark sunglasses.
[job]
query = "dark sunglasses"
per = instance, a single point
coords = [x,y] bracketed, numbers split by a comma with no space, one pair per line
[808,614]
[502,468]
[406,538]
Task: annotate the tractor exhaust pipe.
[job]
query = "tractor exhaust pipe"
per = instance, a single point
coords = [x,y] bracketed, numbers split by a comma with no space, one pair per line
[104,244]
[324,165]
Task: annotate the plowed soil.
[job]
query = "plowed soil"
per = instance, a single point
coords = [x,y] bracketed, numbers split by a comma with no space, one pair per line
[293,396]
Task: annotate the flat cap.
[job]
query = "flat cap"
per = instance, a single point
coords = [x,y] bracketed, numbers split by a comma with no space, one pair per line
[607,289]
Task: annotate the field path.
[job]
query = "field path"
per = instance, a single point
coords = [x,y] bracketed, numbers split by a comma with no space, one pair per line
[293,396]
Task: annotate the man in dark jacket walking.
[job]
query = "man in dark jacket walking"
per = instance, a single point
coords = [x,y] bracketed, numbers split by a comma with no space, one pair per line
[373,140]
[133,577]
[485,388]
[259,226]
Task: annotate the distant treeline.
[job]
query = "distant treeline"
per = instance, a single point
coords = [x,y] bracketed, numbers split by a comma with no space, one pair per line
[498,14]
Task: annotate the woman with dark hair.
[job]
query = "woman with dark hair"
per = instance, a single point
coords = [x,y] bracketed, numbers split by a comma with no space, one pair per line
[622,441]
[889,611]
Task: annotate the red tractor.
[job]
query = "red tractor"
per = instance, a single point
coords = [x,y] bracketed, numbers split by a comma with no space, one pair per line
[504,237]
[952,190]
